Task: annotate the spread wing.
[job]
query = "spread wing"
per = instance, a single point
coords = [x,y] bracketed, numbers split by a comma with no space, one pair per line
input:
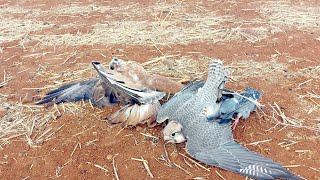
[233,157]
[83,90]
[125,90]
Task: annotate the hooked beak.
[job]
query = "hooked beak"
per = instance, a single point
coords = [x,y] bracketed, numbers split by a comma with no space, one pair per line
[167,140]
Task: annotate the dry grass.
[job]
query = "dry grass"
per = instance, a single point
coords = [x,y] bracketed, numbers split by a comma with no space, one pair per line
[184,67]
[309,72]
[280,13]
[30,122]
[9,10]
[280,118]
[81,71]
[311,102]
[191,67]
[24,121]
[6,79]
[179,67]
[146,31]
[250,68]
[14,29]
[171,24]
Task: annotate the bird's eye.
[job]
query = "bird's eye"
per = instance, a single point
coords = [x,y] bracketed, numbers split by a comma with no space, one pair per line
[173,134]
[111,67]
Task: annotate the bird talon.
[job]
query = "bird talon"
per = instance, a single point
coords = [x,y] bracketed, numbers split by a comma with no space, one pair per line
[235,123]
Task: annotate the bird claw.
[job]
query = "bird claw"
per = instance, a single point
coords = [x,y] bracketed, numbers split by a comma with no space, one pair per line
[235,123]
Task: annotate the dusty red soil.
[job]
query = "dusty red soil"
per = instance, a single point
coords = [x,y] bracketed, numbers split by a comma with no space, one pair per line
[86,139]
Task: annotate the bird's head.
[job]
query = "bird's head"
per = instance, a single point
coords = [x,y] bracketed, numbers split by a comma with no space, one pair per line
[115,63]
[172,133]
[250,92]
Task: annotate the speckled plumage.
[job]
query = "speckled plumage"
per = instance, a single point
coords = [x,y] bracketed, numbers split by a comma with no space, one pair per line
[212,142]
[175,102]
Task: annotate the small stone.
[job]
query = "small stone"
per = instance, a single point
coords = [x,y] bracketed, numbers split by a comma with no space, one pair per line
[168,62]
[287,148]
[249,31]
[3,111]
[30,43]
[290,134]
[84,171]
[109,158]
[174,156]
[27,98]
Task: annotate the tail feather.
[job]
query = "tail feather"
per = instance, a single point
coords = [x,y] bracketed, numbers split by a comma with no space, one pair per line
[132,115]
[216,71]
[217,76]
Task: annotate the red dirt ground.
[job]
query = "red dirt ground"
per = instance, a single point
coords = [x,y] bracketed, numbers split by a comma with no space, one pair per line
[85,139]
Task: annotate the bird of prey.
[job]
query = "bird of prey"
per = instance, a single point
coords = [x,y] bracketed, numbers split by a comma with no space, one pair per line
[239,106]
[211,142]
[124,82]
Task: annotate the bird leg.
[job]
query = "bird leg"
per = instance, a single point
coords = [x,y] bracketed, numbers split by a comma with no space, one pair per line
[235,123]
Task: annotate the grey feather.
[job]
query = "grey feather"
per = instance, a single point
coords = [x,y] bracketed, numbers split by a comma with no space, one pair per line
[84,90]
[239,105]
[210,141]
[175,102]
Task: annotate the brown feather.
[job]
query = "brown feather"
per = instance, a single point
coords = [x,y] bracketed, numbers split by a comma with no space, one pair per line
[134,75]
[132,115]
[121,115]
[99,92]
[164,84]
[138,74]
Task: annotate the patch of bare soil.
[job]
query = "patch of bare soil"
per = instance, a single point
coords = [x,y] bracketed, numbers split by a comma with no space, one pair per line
[271,46]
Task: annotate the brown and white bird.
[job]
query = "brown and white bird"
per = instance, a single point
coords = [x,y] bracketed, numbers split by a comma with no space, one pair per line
[126,82]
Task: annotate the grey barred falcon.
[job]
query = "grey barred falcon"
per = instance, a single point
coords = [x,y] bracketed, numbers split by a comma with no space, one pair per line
[190,113]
